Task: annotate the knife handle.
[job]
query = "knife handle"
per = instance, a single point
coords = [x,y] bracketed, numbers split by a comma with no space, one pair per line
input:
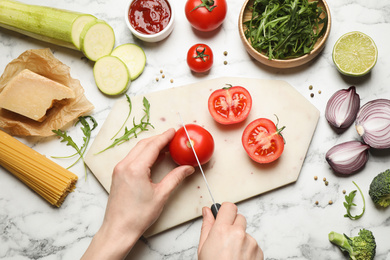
[214,209]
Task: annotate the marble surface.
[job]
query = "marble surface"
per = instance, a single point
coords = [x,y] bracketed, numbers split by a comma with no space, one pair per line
[286,222]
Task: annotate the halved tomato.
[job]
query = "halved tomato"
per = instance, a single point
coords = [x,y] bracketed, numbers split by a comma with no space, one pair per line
[230,105]
[262,141]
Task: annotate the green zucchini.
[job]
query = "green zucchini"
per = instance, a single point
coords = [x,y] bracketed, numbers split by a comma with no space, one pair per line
[111,75]
[133,56]
[97,39]
[57,26]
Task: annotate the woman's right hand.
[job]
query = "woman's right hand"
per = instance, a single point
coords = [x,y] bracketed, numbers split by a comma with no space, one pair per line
[225,237]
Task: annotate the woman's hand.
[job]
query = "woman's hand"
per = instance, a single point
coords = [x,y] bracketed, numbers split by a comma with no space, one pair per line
[135,202]
[226,237]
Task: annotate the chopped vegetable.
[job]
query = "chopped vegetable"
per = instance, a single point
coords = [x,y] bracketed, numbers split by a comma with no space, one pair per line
[57,26]
[380,189]
[349,203]
[347,158]
[137,128]
[285,29]
[97,39]
[373,123]
[361,247]
[111,75]
[80,151]
[133,56]
[342,108]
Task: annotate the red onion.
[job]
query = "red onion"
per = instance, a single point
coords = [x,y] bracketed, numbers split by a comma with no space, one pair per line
[342,108]
[348,157]
[373,123]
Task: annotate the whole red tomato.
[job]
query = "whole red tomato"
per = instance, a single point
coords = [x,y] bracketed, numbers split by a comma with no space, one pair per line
[262,141]
[206,15]
[202,141]
[200,58]
[230,105]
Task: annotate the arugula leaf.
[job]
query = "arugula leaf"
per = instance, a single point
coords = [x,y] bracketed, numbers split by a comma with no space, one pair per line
[284,29]
[86,129]
[135,130]
[349,203]
[127,118]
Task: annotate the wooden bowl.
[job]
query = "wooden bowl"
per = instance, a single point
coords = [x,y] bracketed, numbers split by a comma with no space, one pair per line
[246,14]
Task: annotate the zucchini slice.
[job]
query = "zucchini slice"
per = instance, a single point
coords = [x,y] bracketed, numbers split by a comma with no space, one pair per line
[111,75]
[133,56]
[97,40]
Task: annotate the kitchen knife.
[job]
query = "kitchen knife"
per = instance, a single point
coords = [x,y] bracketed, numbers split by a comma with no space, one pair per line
[215,206]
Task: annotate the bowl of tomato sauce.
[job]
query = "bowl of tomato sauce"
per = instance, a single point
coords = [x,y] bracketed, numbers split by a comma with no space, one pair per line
[150,20]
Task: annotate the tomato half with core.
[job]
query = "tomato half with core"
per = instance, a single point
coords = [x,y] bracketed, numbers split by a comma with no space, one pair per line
[200,58]
[262,141]
[202,141]
[230,105]
[205,15]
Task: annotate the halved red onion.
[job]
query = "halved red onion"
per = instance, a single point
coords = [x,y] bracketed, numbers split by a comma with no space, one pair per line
[342,108]
[373,123]
[348,157]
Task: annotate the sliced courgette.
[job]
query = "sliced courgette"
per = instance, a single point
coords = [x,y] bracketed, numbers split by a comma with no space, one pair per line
[133,56]
[111,75]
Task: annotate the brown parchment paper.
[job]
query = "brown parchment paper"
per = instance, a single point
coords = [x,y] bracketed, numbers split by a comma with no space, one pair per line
[43,62]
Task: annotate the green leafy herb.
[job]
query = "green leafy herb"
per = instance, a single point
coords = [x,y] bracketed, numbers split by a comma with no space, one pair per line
[137,128]
[349,203]
[80,151]
[127,118]
[284,29]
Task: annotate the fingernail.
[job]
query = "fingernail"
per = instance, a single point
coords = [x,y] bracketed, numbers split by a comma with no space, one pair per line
[204,212]
[190,170]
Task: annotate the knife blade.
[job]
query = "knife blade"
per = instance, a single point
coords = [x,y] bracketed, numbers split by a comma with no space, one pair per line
[215,206]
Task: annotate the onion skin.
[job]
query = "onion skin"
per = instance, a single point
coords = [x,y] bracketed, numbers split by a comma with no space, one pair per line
[342,108]
[373,123]
[347,158]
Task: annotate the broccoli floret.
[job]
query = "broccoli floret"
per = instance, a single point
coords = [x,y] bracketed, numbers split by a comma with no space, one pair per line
[361,247]
[380,189]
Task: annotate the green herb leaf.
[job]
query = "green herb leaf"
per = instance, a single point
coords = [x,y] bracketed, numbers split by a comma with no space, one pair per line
[127,118]
[349,203]
[86,129]
[136,129]
[285,29]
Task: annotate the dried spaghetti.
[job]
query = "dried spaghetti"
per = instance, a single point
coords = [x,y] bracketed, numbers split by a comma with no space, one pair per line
[41,174]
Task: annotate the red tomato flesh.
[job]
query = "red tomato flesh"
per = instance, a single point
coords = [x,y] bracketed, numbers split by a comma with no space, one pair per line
[230,105]
[202,141]
[262,141]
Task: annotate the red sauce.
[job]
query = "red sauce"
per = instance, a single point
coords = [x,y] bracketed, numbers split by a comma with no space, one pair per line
[149,16]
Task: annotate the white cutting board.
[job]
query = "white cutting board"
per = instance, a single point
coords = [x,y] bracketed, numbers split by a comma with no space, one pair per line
[232,175]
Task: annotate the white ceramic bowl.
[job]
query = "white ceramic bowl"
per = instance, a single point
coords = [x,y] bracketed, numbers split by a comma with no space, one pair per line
[151,37]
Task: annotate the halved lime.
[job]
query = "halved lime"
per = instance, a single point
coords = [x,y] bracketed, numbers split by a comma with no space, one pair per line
[355,54]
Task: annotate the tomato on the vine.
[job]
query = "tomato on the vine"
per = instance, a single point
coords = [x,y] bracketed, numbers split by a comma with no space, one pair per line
[200,58]
[202,141]
[230,105]
[262,141]
[206,15]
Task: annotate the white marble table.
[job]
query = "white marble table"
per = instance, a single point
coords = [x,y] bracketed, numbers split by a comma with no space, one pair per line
[286,222]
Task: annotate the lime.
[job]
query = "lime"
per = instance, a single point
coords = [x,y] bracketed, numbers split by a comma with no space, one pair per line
[355,54]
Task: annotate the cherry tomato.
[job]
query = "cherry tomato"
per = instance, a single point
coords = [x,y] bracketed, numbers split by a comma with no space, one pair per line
[262,141]
[205,15]
[202,141]
[230,105]
[200,58]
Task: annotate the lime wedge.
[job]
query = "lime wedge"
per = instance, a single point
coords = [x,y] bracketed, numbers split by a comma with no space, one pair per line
[355,54]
